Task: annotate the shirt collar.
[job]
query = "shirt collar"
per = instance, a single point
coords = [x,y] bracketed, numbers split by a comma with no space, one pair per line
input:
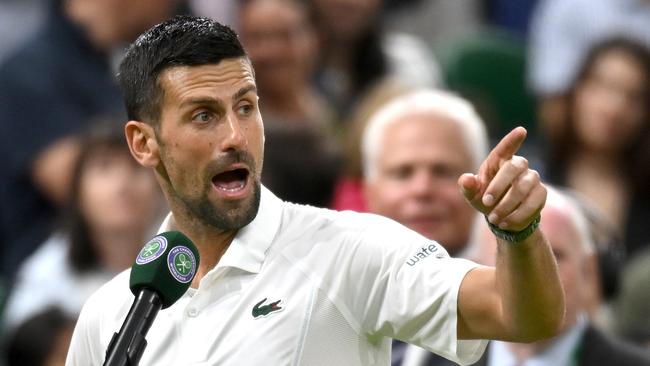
[249,247]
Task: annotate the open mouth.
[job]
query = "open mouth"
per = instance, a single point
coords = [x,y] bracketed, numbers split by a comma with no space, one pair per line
[231,181]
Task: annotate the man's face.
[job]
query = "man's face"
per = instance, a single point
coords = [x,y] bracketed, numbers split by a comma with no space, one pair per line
[417,168]
[210,140]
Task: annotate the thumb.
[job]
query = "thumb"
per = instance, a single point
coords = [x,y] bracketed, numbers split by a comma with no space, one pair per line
[469,186]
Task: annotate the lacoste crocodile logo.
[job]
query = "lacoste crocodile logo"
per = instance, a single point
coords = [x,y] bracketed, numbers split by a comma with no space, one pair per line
[264,310]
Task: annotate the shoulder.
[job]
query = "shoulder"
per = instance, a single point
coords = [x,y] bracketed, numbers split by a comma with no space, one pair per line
[101,315]
[345,225]
[370,241]
[110,302]
[114,291]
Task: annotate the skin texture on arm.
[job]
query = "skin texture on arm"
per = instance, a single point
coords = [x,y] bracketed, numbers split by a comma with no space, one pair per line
[521,299]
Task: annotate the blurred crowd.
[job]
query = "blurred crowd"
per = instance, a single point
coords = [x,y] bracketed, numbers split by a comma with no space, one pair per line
[368,105]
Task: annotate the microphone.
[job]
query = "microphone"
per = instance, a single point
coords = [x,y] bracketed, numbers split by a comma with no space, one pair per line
[161,274]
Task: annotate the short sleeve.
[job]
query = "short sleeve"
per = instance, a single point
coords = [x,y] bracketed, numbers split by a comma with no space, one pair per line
[406,287]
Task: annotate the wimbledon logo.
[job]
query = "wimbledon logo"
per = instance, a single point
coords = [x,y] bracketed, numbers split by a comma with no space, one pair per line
[152,250]
[181,263]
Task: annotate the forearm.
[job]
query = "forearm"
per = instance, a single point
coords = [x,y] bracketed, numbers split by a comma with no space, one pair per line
[532,299]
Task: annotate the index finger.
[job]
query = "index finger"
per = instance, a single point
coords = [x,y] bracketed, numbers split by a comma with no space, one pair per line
[504,151]
[508,146]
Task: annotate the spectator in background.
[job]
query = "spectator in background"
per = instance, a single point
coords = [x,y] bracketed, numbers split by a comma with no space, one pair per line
[300,152]
[114,206]
[414,150]
[348,193]
[579,343]
[49,89]
[603,150]
[357,53]
[42,340]
[562,33]
[610,252]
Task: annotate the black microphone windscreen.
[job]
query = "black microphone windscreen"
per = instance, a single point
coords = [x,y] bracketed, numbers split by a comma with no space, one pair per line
[166,264]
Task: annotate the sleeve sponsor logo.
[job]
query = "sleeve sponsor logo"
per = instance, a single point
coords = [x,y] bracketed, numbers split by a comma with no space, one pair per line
[425,252]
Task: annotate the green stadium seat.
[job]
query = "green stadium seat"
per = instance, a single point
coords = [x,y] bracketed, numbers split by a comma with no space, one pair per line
[489,69]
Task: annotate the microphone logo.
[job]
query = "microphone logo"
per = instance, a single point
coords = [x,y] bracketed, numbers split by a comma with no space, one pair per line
[181,263]
[152,250]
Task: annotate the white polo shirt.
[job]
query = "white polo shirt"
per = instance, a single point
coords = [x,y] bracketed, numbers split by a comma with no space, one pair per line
[346,283]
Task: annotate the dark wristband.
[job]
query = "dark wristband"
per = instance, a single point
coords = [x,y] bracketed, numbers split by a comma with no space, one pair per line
[515,236]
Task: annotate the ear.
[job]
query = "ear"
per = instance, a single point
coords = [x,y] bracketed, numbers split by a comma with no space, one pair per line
[142,143]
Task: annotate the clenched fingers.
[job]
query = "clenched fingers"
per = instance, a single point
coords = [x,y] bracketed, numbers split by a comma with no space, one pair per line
[517,214]
[520,218]
[508,172]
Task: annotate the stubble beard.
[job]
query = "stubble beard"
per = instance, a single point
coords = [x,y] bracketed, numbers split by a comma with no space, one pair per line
[224,218]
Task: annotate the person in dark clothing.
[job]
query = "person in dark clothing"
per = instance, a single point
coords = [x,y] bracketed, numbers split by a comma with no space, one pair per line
[602,149]
[50,89]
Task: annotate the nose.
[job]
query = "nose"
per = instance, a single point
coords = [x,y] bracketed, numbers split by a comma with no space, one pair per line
[421,184]
[234,137]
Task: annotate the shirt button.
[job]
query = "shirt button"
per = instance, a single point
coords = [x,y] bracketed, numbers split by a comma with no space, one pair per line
[192,312]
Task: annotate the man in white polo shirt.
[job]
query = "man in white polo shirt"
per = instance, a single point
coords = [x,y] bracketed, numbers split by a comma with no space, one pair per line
[283,284]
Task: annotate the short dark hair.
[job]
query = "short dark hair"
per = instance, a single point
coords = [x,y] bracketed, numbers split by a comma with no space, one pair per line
[180,41]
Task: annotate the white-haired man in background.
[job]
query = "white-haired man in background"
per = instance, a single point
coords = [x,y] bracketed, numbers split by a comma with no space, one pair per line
[414,149]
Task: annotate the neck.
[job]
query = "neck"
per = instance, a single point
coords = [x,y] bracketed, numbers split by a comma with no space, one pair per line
[211,242]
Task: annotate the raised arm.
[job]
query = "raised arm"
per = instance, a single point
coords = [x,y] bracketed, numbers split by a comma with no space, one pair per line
[521,299]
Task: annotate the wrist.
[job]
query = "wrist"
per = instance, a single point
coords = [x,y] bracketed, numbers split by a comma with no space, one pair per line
[515,236]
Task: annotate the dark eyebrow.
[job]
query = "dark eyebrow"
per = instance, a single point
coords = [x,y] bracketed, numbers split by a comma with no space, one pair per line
[206,100]
[243,91]
[212,101]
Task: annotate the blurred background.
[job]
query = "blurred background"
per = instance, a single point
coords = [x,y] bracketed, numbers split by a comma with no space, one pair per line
[76,208]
